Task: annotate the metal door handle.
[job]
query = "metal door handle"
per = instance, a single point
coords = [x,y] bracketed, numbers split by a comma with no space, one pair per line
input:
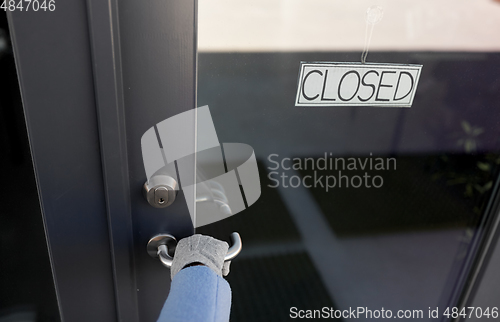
[159,246]
[235,248]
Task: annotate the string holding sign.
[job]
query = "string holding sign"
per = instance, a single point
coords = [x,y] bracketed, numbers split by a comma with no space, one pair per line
[358,84]
[374,15]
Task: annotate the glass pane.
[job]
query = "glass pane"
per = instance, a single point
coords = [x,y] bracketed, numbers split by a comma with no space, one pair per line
[412,185]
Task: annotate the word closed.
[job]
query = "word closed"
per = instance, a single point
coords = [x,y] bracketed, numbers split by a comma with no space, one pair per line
[355,84]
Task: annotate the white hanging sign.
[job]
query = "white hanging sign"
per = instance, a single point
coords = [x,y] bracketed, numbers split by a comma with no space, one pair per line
[356,84]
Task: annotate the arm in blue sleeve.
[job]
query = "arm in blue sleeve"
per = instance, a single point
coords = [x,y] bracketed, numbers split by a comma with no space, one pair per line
[197,294]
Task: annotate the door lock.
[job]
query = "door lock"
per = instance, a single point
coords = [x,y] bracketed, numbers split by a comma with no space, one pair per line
[160,191]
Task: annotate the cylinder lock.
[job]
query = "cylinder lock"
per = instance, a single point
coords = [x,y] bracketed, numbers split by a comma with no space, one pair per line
[160,191]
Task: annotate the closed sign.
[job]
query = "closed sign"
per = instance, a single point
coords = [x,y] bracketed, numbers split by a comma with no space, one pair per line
[356,84]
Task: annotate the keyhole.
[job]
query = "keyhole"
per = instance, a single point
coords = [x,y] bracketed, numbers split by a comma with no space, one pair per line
[161,201]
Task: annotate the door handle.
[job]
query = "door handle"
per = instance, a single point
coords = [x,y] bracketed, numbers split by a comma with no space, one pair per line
[163,245]
[235,247]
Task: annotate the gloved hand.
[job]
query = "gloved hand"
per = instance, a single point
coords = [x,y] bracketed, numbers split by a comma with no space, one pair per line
[201,249]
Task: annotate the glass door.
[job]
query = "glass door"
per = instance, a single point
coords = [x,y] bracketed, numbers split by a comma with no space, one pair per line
[374,209]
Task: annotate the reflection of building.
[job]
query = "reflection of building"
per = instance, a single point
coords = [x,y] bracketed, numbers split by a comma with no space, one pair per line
[328,26]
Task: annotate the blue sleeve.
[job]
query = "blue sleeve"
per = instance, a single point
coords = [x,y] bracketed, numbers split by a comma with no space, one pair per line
[197,294]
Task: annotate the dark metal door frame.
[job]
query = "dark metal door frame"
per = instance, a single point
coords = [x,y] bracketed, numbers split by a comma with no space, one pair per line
[481,287]
[90,89]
